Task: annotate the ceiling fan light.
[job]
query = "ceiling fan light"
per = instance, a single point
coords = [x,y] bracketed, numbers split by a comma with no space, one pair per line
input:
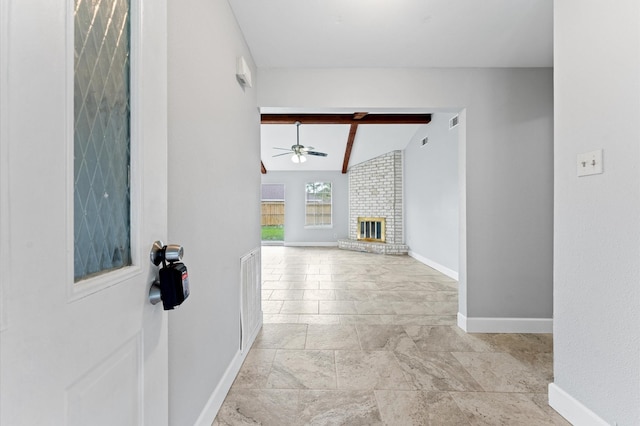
[298,158]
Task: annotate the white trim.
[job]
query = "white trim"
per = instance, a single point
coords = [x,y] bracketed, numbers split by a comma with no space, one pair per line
[5,245]
[311,244]
[137,159]
[272,243]
[71,288]
[211,408]
[572,409]
[505,325]
[435,265]
[89,286]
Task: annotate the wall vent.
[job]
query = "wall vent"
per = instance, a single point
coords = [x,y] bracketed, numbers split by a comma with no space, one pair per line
[250,298]
[453,122]
[243,72]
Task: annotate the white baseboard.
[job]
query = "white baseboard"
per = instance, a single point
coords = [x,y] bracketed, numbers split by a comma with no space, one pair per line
[308,244]
[211,408]
[571,409]
[435,265]
[505,325]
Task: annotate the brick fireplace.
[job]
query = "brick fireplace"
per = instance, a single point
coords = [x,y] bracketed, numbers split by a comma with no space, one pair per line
[375,195]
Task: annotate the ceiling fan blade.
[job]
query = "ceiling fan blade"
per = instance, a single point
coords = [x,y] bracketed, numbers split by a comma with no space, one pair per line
[284,149]
[317,154]
[307,148]
[280,155]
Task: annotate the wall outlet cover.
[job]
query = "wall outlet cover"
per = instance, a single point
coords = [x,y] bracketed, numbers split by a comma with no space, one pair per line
[590,163]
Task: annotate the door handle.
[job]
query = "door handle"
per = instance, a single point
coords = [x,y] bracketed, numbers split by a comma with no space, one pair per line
[155,294]
[169,253]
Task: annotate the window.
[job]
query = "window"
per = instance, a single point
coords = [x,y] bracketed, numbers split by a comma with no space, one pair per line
[318,204]
[101,139]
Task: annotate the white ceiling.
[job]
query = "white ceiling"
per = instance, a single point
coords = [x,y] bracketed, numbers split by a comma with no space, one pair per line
[397,33]
[385,33]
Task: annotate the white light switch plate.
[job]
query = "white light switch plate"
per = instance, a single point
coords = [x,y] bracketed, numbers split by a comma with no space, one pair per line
[590,163]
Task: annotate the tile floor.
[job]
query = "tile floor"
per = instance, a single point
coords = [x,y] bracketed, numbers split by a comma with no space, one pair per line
[363,339]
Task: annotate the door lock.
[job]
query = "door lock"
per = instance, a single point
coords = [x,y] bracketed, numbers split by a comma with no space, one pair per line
[172,285]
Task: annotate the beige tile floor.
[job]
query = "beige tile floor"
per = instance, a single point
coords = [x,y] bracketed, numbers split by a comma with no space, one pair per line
[362,339]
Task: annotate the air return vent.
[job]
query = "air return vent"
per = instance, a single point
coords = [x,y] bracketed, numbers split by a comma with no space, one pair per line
[453,122]
[250,298]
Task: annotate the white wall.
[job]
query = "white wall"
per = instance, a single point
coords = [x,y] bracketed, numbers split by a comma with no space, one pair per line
[214,197]
[597,218]
[432,192]
[294,185]
[505,169]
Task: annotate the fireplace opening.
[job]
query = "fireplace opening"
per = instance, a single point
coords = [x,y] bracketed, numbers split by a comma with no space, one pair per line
[371,229]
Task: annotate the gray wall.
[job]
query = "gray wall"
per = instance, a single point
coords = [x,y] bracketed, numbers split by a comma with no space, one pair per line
[432,192]
[506,166]
[597,218]
[294,183]
[214,195]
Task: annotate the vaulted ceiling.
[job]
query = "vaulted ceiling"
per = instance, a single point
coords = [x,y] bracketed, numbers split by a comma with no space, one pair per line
[335,134]
[384,33]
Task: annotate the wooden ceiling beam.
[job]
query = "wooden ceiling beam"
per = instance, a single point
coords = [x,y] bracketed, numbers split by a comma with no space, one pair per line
[263,170]
[347,153]
[358,118]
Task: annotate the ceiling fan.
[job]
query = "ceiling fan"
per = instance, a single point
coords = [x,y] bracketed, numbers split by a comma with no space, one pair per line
[299,151]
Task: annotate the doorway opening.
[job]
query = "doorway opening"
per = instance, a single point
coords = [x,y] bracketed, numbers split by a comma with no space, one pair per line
[272,213]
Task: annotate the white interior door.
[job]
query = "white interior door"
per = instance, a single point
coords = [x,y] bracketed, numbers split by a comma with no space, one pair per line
[92,352]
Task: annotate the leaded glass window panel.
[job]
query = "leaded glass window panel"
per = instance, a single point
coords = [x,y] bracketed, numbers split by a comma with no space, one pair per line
[101,137]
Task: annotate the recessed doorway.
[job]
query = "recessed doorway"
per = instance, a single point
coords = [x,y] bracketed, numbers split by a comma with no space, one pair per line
[272,213]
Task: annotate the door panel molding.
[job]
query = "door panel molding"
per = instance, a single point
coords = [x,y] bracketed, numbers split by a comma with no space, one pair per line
[115,385]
